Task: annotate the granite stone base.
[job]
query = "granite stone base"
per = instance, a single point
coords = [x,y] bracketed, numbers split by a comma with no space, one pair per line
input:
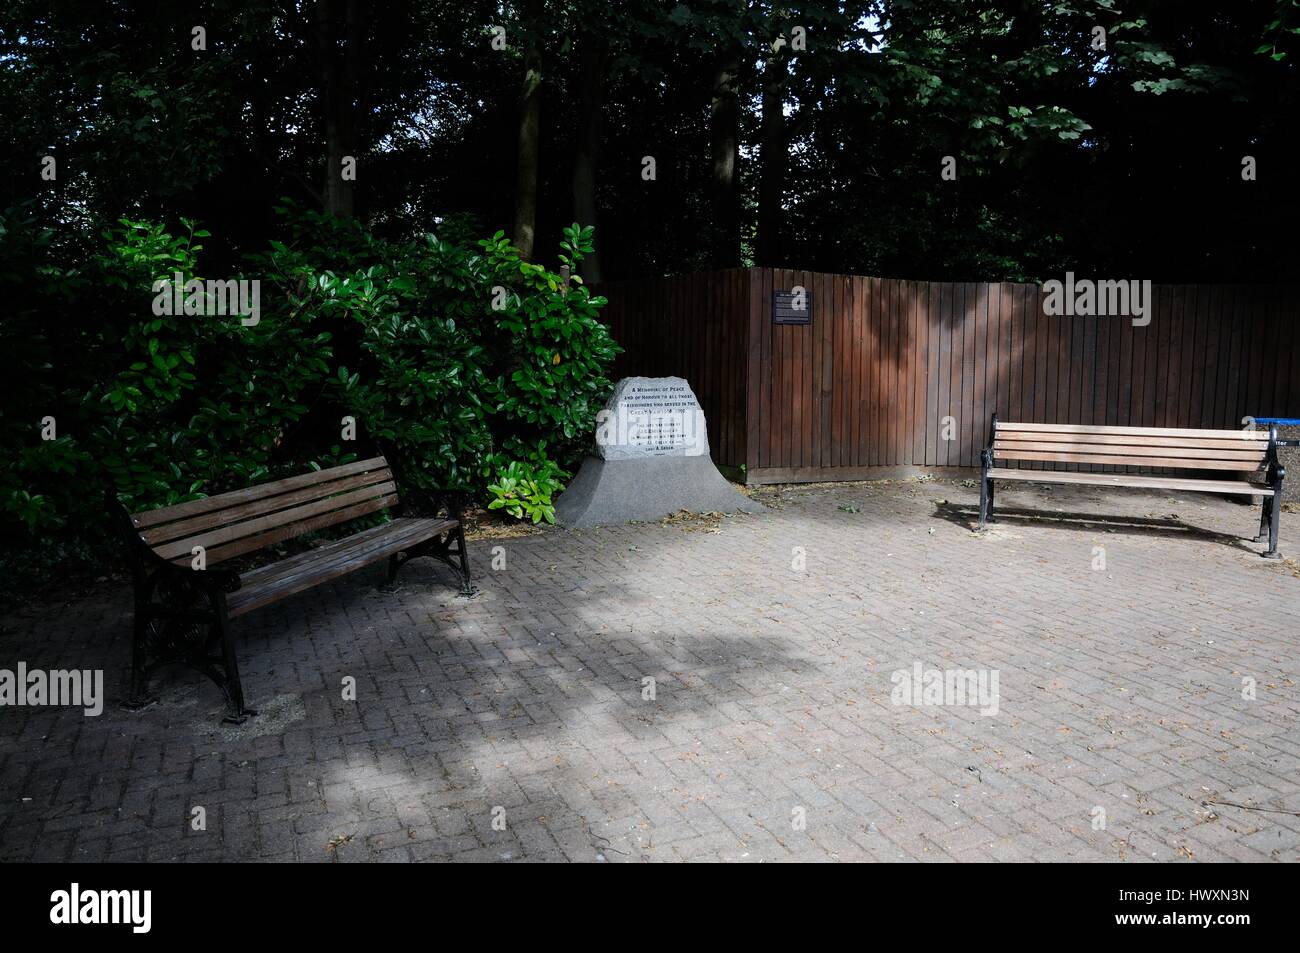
[607,492]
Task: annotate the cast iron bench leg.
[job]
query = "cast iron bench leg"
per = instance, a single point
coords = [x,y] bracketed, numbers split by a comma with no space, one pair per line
[1274,521]
[237,714]
[138,697]
[466,589]
[986,491]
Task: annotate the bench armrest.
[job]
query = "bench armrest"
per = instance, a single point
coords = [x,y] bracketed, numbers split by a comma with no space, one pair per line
[1274,471]
[211,581]
[986,454]
[146,564]
[1270,455]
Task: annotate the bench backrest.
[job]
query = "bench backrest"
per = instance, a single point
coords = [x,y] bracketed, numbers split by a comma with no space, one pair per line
[1148,447]
[231,524]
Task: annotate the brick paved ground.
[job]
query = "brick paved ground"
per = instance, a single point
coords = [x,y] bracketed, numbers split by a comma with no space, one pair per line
[1120,690]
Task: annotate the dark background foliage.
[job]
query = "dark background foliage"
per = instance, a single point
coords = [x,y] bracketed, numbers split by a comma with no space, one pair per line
[1125,160]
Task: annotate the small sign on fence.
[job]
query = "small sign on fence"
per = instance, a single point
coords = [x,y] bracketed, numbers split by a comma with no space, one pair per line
[792,307]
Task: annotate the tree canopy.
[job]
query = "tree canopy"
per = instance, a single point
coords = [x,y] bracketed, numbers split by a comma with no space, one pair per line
[1095,135]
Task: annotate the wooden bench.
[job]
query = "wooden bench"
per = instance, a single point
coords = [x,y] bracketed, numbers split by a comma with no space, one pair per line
[183,605]
[1229,459]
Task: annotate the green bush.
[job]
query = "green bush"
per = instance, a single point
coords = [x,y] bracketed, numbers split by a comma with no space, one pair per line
[461,353]
[526,493]
[465,357]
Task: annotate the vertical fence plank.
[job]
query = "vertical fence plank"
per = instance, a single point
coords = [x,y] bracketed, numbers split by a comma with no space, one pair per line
[1219,346]
[1232,360]
[1106,366]
[1044,366]
[815,337]
[872,378]
[801,373]
[801,382]
[934,345]
[766,368]
[1015,353]
[1130,371]
[1180,387]
[826,449]
[1119,397]
[999,359]
[1164,354]
[741,288]
[888,397]
[857,316]
[1143,369]
[730,330]
[943,370]
[1058,384]
[838,376]
[1255,359]
[848,386]
[899,430]
[976,368]
[914,361]
[787,420]
[1200,357]
[970,325]
[845,380]
[920,367]
[885,343]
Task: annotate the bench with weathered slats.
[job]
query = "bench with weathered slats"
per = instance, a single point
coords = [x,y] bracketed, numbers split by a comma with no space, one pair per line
[1232,461]
[183,605]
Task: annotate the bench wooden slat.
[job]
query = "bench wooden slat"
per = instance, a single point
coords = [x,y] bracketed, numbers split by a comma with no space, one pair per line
[1209,443]
[1171,462]
[389,537]
[295,514]
[1013,448]
[157,535]
[400,531]
[300,573]
[223,501]
[250,544]
[1129,431]
[1132,480]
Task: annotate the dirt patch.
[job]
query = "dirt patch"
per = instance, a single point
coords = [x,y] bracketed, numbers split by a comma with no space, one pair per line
[694,522]
[272,718]
[489,524]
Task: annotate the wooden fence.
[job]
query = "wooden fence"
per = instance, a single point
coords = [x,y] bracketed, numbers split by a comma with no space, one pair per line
[895,376]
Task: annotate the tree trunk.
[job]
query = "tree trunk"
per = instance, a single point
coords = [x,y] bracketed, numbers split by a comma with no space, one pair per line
[724,129]
[593,56]
[530,108]
[338,74]
[774,148]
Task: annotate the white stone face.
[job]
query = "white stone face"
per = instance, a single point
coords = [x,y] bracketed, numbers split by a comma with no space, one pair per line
[651,417]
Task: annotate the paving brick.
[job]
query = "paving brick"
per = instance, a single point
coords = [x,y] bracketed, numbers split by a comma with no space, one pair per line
[1119,689]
